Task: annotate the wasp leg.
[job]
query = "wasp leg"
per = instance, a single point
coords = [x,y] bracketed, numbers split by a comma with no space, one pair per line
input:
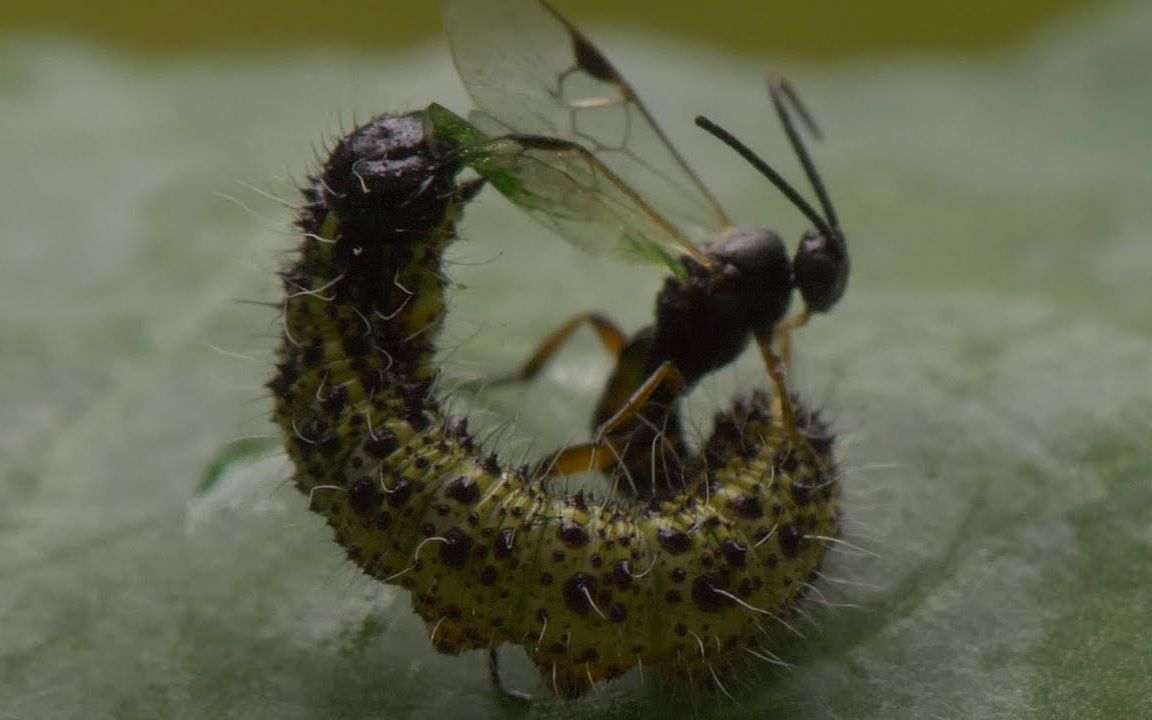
[498,684]
[577,459]
[783,335]
[600,455]
[667,374]
[777,370]
[610,336]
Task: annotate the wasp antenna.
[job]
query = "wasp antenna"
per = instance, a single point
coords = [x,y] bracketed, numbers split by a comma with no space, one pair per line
[767,171]
[786,88]
[783,94]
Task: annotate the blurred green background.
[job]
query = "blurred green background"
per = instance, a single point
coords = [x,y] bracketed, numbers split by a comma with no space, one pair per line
[824,30]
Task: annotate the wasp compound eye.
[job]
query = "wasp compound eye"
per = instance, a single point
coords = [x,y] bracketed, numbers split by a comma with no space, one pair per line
[821,268]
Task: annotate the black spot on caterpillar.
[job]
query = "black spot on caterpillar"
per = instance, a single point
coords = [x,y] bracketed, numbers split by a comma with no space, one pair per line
[684,577]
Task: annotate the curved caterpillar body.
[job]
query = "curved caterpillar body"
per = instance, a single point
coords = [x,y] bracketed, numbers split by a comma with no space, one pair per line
[686,583]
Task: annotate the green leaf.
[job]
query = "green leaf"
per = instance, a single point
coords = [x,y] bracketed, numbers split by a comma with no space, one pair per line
[989,372]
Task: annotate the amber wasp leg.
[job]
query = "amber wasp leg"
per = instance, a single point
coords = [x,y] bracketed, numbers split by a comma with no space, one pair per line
[576,459]
[783,335]
[778,371]
[498,684]
[611,337]
[667,374]
[599,454]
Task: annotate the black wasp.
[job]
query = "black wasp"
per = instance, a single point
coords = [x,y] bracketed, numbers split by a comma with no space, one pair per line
[563,135]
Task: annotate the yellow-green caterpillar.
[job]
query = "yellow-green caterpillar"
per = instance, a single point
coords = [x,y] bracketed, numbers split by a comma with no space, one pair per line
[681,582]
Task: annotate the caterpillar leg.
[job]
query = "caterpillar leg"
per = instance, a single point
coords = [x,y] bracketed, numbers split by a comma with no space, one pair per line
[611,337]
[498,684]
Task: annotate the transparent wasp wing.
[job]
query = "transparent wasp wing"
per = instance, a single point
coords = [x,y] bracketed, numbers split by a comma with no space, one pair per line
[531,73]
[567,188]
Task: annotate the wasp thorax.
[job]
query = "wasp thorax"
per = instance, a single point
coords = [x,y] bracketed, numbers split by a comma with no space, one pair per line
[762,283]
[821,266]
[704,323]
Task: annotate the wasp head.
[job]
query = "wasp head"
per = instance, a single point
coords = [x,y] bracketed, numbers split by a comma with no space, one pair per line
[821,267]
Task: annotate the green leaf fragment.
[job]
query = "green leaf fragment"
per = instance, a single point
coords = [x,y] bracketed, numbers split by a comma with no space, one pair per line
[235,455]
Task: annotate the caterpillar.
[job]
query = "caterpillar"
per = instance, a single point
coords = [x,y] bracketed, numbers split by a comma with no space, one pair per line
[685,568]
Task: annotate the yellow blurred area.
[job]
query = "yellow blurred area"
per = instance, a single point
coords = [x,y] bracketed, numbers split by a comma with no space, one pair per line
[828,29]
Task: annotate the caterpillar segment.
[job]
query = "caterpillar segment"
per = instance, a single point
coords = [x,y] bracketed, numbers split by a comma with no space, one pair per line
[491,554]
